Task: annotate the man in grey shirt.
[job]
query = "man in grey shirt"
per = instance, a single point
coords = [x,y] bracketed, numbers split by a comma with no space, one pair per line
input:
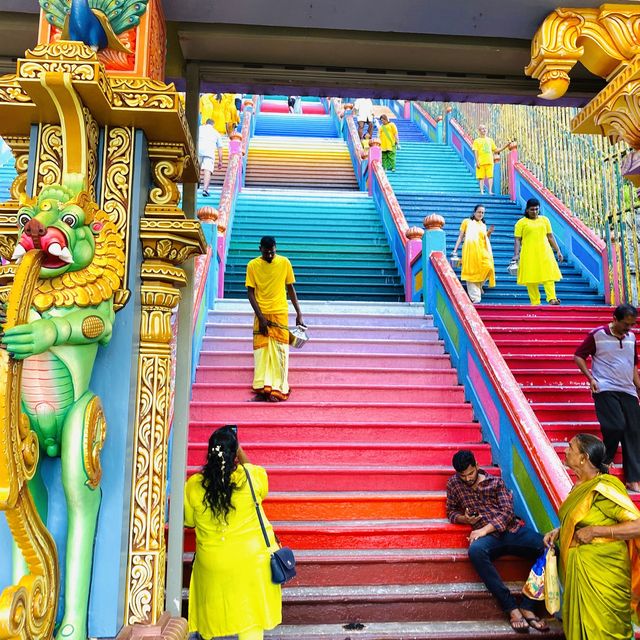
[614,384]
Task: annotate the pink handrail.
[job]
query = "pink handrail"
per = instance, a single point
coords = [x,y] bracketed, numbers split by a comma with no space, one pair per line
[355,139]
[553,476]
[425,114]
[202,270]
[392,202]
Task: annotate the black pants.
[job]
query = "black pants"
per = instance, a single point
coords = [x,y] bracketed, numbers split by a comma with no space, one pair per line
[619,417]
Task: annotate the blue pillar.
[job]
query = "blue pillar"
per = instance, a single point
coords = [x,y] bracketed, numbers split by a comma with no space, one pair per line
[434,239]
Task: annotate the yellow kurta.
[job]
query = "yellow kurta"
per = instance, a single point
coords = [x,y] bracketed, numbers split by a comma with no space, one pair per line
[537,262]
[231,590]
[477,257]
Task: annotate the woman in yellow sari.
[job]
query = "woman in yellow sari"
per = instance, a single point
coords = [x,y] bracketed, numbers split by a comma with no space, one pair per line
[599,570]
[477,257]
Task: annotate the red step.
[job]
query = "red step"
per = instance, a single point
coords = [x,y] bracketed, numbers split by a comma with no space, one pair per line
[359,478]
[355,505]
[314,453]
[230,412]
[332,567]
[313,431]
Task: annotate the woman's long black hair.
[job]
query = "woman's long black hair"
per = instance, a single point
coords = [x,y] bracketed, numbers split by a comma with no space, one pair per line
[217,470]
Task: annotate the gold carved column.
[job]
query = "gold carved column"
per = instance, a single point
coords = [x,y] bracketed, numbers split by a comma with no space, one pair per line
[168,239]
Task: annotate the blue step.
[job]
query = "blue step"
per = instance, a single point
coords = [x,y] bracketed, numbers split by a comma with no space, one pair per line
[334,240]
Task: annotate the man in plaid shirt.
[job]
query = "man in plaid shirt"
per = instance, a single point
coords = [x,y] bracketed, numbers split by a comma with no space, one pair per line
[484,502]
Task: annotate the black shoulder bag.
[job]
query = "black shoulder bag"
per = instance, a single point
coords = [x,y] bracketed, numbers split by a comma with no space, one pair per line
[283,562]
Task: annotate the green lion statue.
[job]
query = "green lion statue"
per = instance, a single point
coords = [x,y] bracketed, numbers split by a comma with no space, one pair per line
[71,315]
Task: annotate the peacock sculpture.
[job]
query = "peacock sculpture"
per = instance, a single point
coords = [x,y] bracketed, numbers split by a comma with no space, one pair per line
[97,23]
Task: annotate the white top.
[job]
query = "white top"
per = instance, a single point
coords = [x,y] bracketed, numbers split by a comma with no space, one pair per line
[208,141]
[364,107]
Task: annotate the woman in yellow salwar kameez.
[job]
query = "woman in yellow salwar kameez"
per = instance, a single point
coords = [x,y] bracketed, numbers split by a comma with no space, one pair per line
[269,279]
[599,570]
[477,257]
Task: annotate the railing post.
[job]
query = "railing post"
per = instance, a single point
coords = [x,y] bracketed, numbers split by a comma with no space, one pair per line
[447,124]
[434,239]
[512,159]
[497,175]
[440,130]
[208,217]
[413,248]
[375,154]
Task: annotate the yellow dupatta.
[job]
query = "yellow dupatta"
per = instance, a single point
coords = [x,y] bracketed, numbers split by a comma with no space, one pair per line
[576,507]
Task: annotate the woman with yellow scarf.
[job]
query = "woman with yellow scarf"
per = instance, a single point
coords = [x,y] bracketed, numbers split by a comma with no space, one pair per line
[599,570]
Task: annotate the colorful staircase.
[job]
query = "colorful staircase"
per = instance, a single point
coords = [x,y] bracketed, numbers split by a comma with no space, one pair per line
[301,162]
[359,456]
[358,460]
[538,345]
[333,239]
[431,178]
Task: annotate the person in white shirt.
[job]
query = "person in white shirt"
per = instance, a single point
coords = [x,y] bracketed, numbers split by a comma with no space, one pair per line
[364,113]
[209,140]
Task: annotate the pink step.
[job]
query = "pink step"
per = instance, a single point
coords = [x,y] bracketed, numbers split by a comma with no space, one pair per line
[231,412]
[335,332]
[316,320]
[337,393]
[323,453]
[302,359]
[316,431]
[333,345]
[343,375]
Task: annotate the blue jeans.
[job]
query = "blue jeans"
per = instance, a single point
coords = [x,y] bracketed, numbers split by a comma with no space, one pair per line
[525,543]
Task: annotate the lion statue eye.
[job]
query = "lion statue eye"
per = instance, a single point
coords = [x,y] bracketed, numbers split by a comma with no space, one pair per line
[69,220]
[23,219]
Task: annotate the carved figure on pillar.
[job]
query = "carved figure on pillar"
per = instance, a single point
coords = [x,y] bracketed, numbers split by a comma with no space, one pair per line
[71,315]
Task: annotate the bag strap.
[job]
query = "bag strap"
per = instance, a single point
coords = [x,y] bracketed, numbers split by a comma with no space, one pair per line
[257,505]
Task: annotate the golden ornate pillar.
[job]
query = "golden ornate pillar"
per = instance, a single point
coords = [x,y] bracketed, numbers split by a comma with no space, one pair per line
[168,239]
[139,118]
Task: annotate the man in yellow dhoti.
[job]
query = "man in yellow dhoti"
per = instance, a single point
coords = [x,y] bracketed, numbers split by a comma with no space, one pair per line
[269,279]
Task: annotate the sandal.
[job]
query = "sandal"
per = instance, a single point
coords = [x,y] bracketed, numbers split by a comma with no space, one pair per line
[554,302]
[536,623]
[520,625]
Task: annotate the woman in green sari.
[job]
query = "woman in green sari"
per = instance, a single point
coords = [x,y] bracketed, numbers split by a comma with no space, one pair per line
[599,570]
